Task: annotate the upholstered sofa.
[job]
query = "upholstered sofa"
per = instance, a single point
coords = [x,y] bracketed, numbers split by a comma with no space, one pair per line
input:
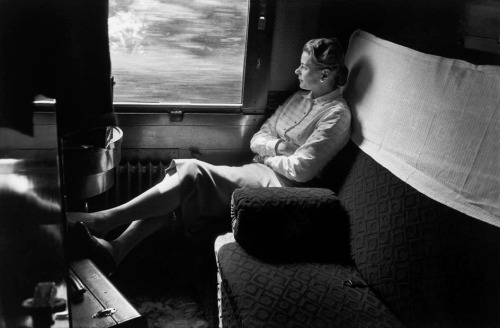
[404,229]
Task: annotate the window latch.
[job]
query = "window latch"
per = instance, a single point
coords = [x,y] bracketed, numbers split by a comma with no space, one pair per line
[176,116]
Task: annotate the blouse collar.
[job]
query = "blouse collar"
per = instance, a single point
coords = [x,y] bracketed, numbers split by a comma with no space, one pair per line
[332,95]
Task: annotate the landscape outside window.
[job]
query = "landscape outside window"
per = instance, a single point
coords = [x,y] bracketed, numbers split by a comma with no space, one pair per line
[177,51]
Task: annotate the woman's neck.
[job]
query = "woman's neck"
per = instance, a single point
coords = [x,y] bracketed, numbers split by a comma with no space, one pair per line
[322,91]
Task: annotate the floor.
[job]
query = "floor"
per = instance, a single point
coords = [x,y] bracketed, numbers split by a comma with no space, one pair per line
[157,278]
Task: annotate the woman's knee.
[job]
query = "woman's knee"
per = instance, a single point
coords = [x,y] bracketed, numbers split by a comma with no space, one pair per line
[169,183]
[195,169]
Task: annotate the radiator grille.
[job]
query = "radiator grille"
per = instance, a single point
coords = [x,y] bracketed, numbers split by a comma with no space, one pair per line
[131,179]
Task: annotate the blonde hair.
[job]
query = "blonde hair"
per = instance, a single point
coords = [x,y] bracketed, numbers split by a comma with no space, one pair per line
[328,53]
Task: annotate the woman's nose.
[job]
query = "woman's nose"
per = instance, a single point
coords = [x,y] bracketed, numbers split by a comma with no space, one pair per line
[297,71]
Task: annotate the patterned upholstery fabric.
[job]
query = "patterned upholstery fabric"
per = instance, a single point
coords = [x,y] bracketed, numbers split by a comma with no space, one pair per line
[260,294]
[432,265]
[283,224]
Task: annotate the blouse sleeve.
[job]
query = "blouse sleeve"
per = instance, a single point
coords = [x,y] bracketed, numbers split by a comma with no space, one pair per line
[265,140]
[331,134]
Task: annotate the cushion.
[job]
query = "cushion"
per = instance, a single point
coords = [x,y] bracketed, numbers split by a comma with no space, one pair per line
[286,223]
[312,294]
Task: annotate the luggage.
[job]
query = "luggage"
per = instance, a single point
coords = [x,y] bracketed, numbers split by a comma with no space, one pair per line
[95,302]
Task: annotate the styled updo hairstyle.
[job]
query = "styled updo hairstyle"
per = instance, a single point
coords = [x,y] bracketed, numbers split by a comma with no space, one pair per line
[328,53]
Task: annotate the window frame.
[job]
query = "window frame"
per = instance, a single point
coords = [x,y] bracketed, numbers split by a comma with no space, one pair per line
[255,75]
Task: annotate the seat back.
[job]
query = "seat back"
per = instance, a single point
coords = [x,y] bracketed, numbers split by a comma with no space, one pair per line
[432,265]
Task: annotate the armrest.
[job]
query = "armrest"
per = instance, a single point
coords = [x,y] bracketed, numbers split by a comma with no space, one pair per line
[288,224]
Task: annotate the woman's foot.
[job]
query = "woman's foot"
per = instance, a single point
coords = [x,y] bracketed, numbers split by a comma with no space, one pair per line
[95,222]
[98,250]
[102,256]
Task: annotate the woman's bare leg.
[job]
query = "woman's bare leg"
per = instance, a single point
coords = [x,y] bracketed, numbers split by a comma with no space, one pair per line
[133,235]
[160,200]
[146,214]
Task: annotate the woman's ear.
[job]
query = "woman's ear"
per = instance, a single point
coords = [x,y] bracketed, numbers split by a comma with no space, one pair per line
[325,73]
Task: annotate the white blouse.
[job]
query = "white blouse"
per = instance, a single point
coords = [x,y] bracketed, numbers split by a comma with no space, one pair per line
[320,127]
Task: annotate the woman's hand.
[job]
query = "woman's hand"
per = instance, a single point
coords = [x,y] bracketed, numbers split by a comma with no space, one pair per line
[286,148]
[259,159]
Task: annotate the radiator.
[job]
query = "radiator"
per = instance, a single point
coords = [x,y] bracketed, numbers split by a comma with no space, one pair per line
[131,179]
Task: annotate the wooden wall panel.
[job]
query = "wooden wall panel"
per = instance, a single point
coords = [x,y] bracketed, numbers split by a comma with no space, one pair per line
[187,136]
[482,18]
[202,131]
[215,138]
[209,119]
[297,21]
[432,26]
[482,25]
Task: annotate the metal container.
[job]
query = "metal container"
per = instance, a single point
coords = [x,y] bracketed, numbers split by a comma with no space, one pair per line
[90,170]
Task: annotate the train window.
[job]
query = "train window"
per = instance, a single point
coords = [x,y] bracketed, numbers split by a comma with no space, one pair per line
[185,53]
[176,51]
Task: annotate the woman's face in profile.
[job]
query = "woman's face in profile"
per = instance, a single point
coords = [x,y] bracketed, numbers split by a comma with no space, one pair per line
[309,75]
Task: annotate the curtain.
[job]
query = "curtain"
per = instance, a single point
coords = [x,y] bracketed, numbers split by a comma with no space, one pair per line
[58,49]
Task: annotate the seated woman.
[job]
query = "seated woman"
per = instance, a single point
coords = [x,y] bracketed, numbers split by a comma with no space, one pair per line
[291,149]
